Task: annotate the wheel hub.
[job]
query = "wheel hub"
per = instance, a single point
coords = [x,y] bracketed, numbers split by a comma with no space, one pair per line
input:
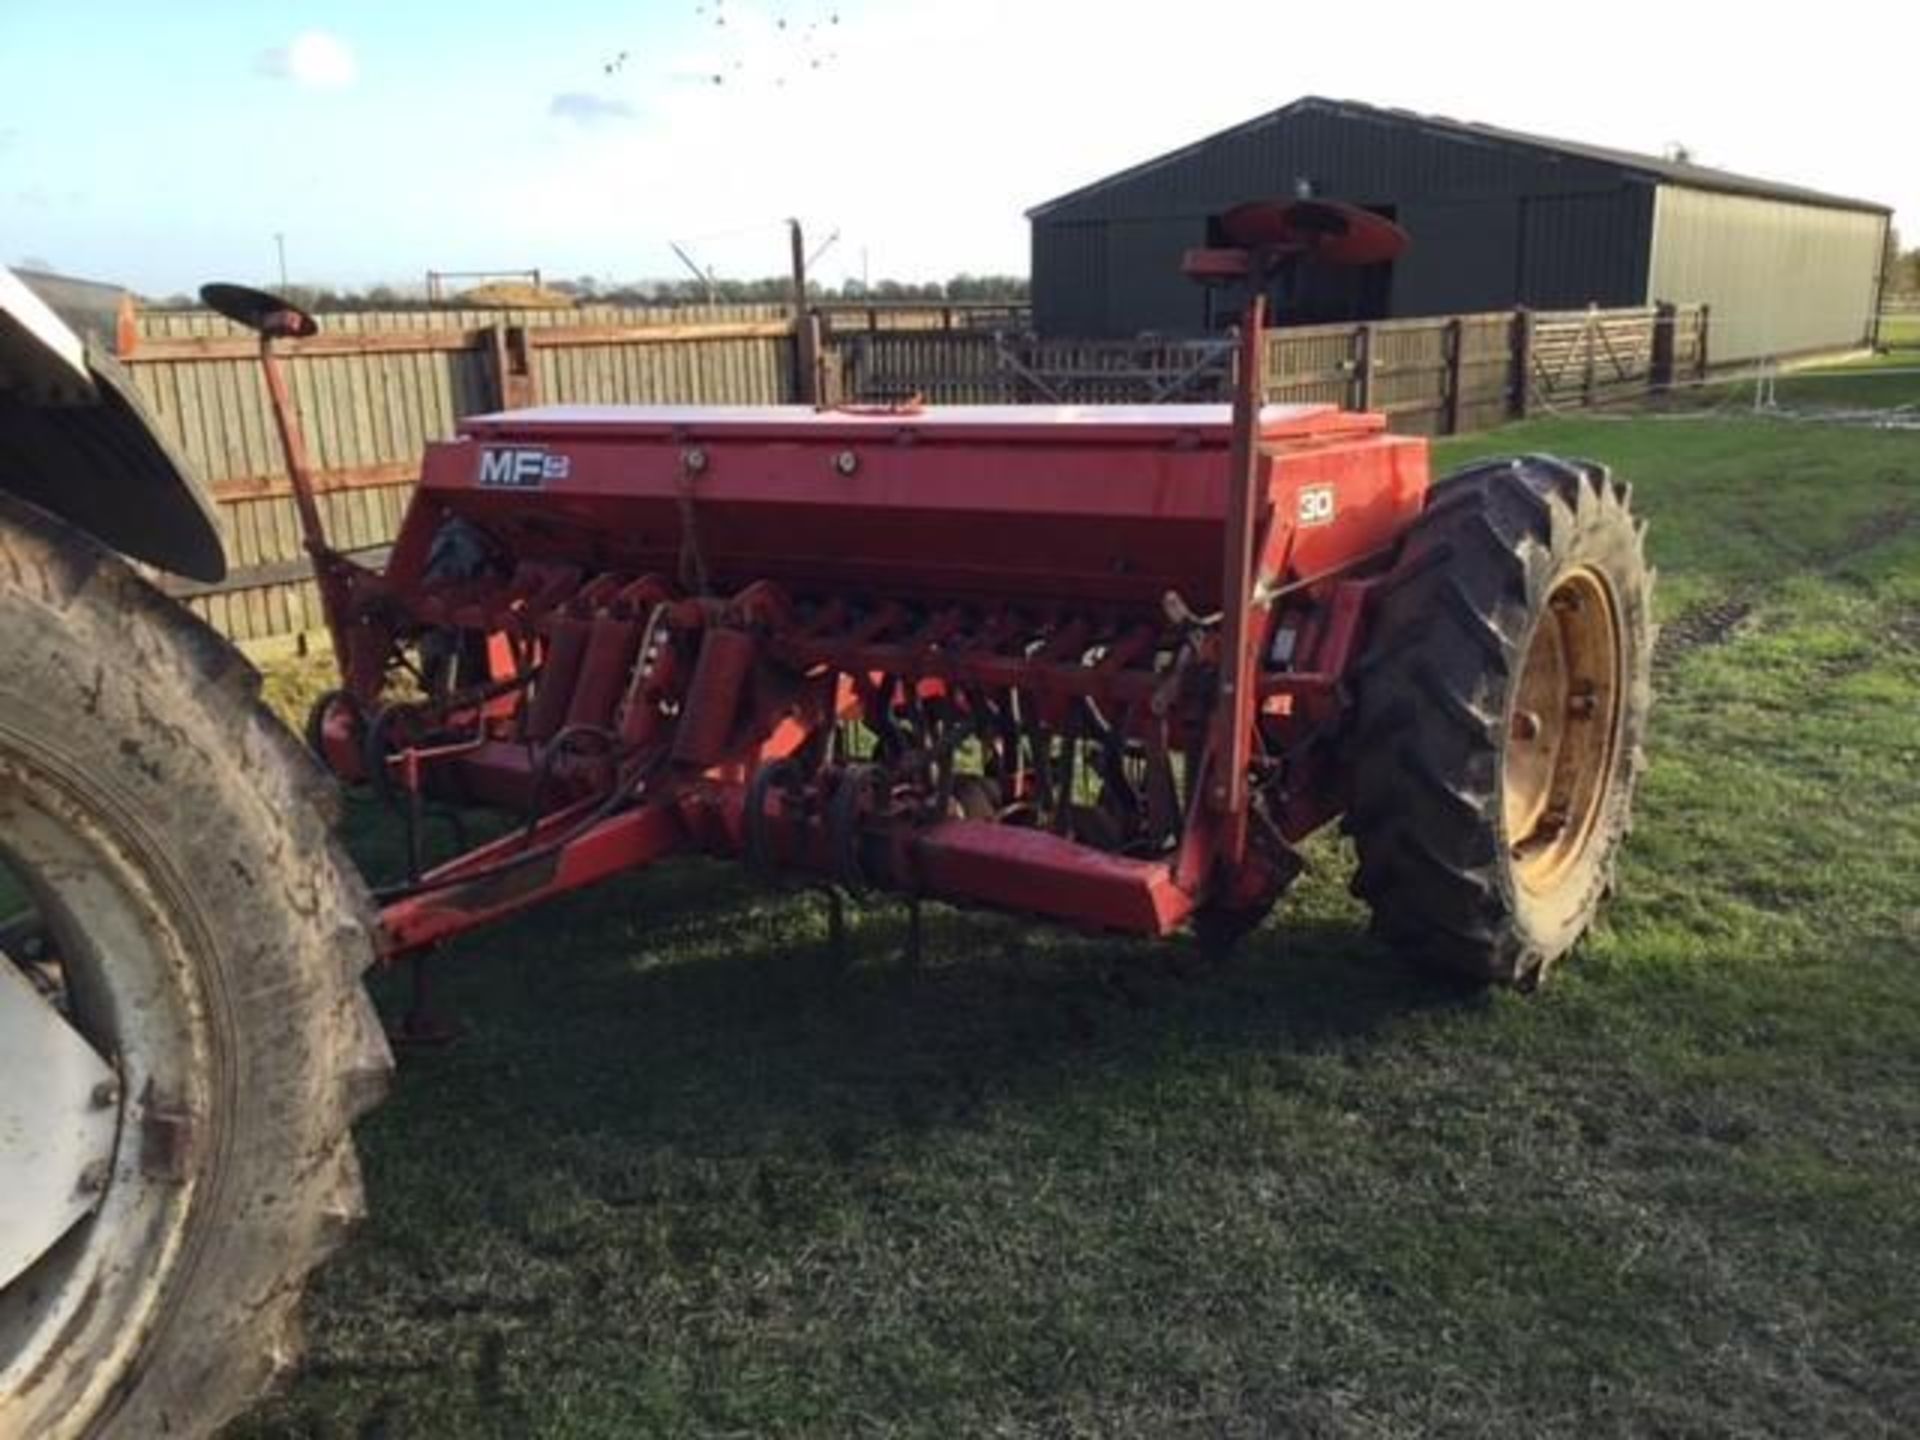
[1559,755]
[92,1040]
[59,1123]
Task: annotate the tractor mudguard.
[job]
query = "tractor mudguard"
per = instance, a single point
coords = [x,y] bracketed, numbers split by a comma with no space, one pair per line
[76,441]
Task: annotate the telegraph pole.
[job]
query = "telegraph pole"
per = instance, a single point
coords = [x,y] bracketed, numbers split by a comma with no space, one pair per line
[806,337]
[280,248]
[799,242]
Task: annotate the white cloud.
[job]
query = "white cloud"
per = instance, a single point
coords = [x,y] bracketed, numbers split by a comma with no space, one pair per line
[313,60]
[584,109]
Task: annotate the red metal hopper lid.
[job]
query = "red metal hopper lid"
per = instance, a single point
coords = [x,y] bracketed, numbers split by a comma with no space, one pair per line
[1205,425]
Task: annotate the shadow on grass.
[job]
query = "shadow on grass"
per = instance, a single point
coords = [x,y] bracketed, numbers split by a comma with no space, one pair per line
[685,1013]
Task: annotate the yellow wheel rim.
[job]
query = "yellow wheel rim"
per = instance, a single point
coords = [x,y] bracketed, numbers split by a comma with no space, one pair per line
[1558,763]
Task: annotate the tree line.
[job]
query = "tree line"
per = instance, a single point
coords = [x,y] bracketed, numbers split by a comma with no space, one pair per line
[585,289]
[776,289]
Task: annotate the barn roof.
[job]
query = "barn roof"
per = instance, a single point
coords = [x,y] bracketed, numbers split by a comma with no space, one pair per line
[1649,167]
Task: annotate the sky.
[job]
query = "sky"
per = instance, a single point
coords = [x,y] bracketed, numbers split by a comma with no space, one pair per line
[161,144]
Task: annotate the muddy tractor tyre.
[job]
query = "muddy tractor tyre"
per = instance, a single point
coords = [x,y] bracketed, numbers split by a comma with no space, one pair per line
[1501,712]
[184,948]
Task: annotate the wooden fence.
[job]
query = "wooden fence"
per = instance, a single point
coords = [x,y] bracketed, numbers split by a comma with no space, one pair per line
[371,398]
[984,368]
[844,318]
[1432,376]
[1448,374]
[374,388]
[840,317]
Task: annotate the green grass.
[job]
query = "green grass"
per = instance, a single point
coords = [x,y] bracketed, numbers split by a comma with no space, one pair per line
[684,1176]
[1880,380]
[1876,381]
[1900,332]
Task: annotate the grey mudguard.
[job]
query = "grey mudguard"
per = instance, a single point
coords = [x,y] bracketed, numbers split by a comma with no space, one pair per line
[75,440]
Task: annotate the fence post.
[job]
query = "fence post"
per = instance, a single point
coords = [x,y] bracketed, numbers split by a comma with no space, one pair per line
[1279,366]
[1660,362]
[1363,367]
[1453,343]
[1522,366]
[830,388]
[1586,365]
[514,383]
[1700,351]
[497,365]
[806,357]
[126,327]
[854,357]
[520,350]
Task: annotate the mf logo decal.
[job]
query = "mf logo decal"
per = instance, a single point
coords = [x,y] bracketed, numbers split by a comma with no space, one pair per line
[1316,505]
[520,467]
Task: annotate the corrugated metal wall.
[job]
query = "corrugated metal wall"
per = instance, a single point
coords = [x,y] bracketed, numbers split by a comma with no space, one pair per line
[1782,279]
[1072,255]
[1467,250]
[1585,249]
[1144,293]
[1107,263]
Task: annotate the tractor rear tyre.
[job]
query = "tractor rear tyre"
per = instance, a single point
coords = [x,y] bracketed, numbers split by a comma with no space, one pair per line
[1501,710]
[184,1038]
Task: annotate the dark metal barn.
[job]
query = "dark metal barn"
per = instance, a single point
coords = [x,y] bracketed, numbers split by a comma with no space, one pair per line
[1498,219]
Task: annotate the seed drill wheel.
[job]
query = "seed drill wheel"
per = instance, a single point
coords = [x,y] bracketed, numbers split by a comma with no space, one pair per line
[1501,709]
[184,1040]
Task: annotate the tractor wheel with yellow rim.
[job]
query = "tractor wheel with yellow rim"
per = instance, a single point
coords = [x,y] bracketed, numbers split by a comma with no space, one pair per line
[1500,717]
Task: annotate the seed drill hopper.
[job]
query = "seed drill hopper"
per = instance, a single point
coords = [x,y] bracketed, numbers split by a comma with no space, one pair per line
[1106,666]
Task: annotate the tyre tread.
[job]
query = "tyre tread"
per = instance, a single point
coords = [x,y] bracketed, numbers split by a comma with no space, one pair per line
[1447,631]
[196,1375]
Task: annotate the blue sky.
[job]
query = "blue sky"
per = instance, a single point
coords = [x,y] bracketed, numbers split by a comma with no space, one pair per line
[161,144]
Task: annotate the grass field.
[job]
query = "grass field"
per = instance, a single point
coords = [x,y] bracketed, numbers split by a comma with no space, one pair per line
[1884,380]
[683,1176]
[1900,332]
